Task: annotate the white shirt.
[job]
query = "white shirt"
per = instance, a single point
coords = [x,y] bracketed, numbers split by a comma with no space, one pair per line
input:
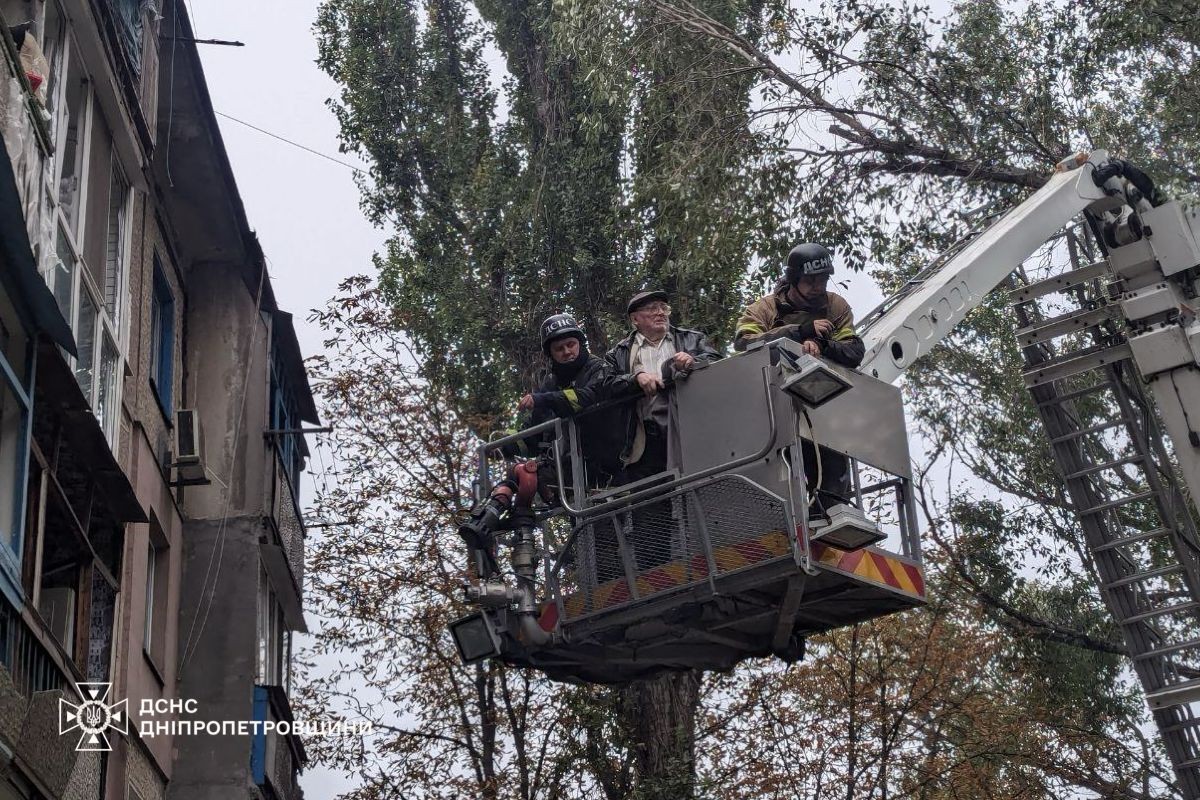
[649,358]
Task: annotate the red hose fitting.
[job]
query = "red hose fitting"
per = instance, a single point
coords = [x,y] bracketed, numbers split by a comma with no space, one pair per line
[525,476]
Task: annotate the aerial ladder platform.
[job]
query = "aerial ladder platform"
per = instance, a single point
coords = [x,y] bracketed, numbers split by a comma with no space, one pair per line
[1108,330]
[717,559]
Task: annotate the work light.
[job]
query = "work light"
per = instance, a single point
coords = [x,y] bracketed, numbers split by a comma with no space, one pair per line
[475,638]
[813,382]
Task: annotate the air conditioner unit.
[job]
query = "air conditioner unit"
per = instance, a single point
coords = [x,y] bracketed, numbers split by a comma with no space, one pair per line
[189,448]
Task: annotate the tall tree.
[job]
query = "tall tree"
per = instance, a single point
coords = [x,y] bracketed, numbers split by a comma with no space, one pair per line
[909,120]
[672,142]
[567,182]
[385,579]
[576,180]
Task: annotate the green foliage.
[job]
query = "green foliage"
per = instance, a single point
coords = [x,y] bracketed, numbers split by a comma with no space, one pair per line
[653,142]
[613,156]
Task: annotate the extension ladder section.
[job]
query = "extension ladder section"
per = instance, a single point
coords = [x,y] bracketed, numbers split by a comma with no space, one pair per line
[1140,534]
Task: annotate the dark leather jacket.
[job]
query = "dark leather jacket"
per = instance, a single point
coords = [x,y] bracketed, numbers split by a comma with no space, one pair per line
[622,384]
[601,433]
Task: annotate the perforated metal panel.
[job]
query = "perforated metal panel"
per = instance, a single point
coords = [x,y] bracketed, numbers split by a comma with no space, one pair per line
[672,543]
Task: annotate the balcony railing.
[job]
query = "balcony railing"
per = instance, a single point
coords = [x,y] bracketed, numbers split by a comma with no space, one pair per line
[30,666]
[32,682]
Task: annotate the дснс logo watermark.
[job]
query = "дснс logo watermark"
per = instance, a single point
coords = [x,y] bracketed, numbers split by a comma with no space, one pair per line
[93,717]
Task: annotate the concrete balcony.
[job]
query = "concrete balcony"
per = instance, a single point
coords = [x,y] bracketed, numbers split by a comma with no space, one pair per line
[34,677]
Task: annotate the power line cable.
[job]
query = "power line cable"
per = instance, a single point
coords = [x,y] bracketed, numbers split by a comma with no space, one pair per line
[192,16]
[286,140]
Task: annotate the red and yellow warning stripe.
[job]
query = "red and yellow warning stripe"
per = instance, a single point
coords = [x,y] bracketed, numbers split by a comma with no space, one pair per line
[872,565]
[682,572]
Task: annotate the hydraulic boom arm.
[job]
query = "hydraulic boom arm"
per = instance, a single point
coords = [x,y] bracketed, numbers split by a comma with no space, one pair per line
[1133,331]
[908,326]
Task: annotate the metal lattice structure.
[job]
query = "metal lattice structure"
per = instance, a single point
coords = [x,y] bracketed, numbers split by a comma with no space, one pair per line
[1106,442]
[686,539]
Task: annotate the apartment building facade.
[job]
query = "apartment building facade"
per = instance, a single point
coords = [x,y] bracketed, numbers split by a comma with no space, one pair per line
[151,403]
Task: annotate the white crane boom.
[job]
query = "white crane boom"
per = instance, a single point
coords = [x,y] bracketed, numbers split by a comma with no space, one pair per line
[926,314]
[1157,285]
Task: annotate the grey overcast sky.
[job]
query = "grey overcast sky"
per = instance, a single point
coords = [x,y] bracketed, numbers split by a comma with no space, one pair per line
[303,207]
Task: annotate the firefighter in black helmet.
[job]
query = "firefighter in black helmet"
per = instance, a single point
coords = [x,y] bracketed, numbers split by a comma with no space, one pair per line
[576,381]
[802,309]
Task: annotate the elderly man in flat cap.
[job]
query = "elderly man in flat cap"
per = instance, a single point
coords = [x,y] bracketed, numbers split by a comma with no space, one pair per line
[656,351]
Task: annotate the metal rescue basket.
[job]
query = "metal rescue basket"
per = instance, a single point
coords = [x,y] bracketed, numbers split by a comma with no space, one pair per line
[716,559]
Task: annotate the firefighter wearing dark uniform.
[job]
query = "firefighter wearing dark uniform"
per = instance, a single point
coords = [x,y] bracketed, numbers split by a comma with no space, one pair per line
[577,380]
[802,309]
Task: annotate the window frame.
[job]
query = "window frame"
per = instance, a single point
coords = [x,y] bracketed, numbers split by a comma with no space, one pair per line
[162,341]
[71,231]
[11,556]
[158,580]
[285,415]
[273,646]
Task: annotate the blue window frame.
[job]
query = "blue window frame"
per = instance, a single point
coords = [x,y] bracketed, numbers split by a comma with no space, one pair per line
[16,406]
[162,340]
[258,745]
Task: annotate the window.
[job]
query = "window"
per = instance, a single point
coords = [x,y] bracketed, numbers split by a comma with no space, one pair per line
[274,638]
[54,42]
[97,201]
[157,566]
[69,100]
[62,277]
[89,199]
[115,255]
[286,416]
[130,18]
[15,352]
[85,342]
[61,574]
[162,339]
[67,561]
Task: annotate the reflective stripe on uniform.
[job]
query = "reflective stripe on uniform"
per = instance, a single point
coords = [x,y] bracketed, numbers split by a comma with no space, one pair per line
[844,332]
[749,327]
[573,399]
